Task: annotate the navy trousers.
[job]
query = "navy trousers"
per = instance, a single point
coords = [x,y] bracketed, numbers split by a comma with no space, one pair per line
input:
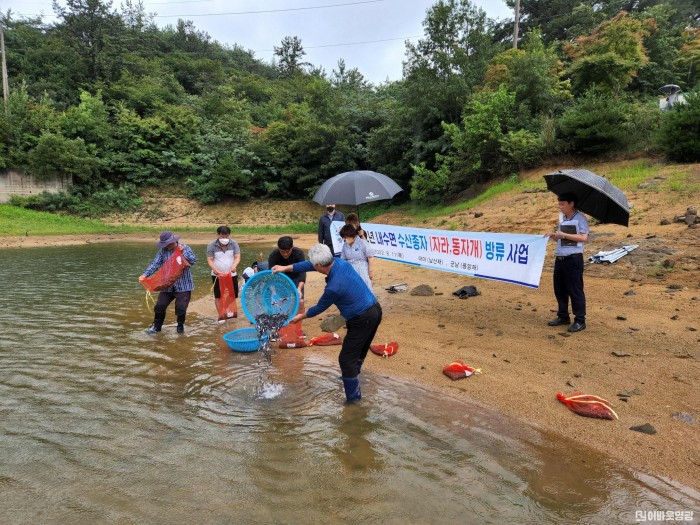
[182,301]
[361,330]
[568,285]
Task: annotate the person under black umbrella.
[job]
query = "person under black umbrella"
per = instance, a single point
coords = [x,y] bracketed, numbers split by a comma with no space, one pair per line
[354,188]
[325,235]
[571,234]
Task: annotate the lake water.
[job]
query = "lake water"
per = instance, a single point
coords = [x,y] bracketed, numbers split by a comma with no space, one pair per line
[101,423]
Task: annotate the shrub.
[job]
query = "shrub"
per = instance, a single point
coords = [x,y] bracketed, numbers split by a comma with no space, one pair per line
[54,155]
[641,127]
[429,186]
[594,123]
[522,147]
[679,134]
[99,203]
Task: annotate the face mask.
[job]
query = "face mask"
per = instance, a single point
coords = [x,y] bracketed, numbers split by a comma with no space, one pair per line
[330,209]
[224,241]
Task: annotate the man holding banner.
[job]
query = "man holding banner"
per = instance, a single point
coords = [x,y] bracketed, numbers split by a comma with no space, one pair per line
[568,265]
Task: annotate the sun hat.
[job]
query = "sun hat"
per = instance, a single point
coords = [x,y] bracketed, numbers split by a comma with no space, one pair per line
[166,238]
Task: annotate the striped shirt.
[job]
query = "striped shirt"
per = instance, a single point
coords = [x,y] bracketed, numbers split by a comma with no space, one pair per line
[344,288]
[185,282]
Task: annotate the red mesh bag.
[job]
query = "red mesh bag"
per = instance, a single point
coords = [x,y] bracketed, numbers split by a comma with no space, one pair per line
[167,274]
[298,343]
[291,333]
[385,350]
[326,339]
[459,370]
[588,406]
[227,302]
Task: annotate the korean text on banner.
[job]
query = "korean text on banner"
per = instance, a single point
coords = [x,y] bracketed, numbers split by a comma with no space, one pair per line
[508,257]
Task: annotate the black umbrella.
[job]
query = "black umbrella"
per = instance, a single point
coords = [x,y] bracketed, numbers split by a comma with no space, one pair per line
[596,195]
[670,89]
[356,187]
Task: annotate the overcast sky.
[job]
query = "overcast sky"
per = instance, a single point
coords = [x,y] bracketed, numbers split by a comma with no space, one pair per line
[367,34]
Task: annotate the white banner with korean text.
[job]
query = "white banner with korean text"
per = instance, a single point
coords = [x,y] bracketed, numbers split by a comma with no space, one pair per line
[508,257]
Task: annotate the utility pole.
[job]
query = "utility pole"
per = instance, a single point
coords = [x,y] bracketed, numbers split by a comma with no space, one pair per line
[517,24]
[5,87]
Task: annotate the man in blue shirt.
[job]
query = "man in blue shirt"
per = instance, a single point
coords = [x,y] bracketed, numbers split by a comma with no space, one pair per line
[180,291]
[357,304]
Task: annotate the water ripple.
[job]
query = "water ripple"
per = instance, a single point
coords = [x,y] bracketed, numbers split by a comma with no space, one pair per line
[103,423]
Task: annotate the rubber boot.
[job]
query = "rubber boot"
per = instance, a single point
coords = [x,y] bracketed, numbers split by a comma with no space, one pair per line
[158,320]
[352,389]
[359,365]
[181,324]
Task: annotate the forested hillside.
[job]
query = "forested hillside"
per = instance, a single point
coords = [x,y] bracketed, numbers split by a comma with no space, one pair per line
[120,104]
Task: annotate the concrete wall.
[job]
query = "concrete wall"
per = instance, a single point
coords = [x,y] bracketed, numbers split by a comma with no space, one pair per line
[16,183]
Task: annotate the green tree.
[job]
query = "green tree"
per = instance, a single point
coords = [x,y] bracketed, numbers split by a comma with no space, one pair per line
[154,149]
[344,78]
[55,155]
[480,149]
[608,59]
[23,124]
[534,73]
[564,20]
[442,68]
[558,20]
[663,44]
[440,72]
[39,59]
[522,147]
[92,29]
[89,121]
[289,56]
[145,93]
[689,56]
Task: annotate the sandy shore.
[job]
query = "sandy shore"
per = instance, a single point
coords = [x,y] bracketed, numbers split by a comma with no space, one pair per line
[504,331]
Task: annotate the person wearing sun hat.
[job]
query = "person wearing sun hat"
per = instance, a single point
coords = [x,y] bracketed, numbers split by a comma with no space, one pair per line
[180,291]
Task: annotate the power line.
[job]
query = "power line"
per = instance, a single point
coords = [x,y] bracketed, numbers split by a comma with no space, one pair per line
[18,49]
[181,2]
[349,43]
[310,8]
[265,11]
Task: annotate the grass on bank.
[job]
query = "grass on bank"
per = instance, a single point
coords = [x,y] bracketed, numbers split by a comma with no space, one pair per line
[631,176]
[21,222]
[15,221]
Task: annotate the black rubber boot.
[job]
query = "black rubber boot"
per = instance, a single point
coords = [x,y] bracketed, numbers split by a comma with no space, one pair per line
[181,324]
[157,323]
[352,389]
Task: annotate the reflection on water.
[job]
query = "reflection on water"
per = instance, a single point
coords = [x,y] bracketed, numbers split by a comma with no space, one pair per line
[102,423]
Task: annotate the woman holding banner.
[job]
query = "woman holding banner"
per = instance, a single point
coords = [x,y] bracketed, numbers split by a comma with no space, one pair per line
[357,252]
